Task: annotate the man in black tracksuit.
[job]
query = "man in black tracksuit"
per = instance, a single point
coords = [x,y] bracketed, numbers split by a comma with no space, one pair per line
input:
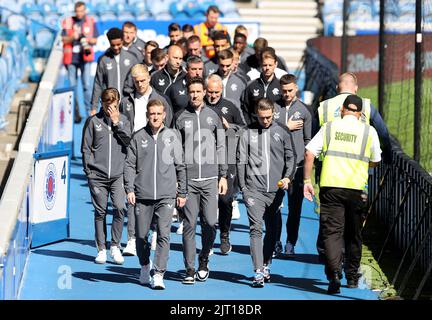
[294,115]
[131,42]
[232,122]
[203,139]
[266,86]
[150,183]
[177,92]
[113,69]
[162,79]
[221,42]
[265,158]
[233,84]
[106,136]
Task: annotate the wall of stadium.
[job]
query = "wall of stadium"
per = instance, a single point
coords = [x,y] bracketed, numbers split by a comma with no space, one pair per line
[363,56]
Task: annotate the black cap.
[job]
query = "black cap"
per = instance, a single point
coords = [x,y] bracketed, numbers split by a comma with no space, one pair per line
[114,33]
[353,100]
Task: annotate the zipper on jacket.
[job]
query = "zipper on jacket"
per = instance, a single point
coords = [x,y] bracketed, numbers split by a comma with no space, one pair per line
[109,153]
[267,161]
[169,78]
[154,170]
[265,87]
[199,145]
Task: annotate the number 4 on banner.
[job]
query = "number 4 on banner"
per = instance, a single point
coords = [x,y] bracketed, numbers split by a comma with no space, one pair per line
[63,173]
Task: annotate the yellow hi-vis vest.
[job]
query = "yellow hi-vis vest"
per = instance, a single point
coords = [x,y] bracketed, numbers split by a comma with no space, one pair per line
[347,152]
[329,109]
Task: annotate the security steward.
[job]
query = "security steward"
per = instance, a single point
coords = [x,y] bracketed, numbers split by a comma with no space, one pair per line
[206,30]
[349,147]
[330,109]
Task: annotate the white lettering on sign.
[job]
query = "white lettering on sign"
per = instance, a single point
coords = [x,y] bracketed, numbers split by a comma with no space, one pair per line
[359,63]
[410,60]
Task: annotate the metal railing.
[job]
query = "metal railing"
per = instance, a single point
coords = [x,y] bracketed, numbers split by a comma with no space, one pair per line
[402,198]
[400,193]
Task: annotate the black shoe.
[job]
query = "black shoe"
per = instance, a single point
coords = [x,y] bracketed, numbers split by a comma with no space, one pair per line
[190,277]
[225,246]
[334,285]
[278,249]
[203,270]
[352,283]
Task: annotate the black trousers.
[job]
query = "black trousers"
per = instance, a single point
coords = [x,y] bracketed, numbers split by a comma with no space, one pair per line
[341,221]
[295,201]
[225,201]
[319,242]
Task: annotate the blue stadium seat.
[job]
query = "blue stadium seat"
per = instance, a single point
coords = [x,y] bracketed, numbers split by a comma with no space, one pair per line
[124,11]
[65,7]
[232,14]
[159,7]
[361,11]
[11,79]
[181,16]
[3,72]
[16,22]
[408,11]
[125,16]
[53,20]
[138,4]
[44,38]
[140,9]
[227,7]
[48,7]
[200,14]
[107,16]
[144,15]
[163,16]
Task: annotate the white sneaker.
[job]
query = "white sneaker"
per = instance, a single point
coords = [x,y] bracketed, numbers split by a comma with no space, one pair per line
[145,273]
[101,257]
[116,255]
[235,210]
[175,217]
[289,249]
[130,249]
[180,228]
[157,282]
[153,241]
[211,252]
